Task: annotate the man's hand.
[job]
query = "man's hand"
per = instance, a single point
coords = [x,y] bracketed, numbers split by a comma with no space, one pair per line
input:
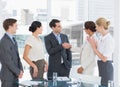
[66,45]
[21,74]
[80,70]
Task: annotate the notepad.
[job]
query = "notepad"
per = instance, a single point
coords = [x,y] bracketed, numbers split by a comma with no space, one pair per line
[63,79]
[30,83]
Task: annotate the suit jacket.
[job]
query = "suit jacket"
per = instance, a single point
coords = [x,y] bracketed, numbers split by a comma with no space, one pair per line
[87,58]
[9,58]
[56,52]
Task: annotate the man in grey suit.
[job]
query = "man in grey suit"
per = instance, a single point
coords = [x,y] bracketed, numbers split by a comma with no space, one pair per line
[58,48]
[12,68]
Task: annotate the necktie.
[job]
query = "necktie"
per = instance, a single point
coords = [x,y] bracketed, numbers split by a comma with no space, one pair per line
[59,39]
[15,43]
[16,48]
[60,42]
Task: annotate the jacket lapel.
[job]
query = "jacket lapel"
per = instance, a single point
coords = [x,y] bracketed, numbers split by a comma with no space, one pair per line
[11,42]
[53,38]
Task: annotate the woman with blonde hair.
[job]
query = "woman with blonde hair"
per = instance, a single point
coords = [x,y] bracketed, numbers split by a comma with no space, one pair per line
[34,52]
[104,50]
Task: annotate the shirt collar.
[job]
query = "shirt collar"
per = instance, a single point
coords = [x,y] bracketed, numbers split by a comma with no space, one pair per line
[103,37]
[93,35]
[10,35]
[56,35]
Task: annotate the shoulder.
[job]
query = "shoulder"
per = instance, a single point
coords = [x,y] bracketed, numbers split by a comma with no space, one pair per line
[95,37]
[5,43]
[48,36]
[4,40]
[109,41]
[109,38]
[30,38]
[64,35]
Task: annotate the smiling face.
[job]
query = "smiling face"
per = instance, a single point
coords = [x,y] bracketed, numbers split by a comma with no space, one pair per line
[57,28]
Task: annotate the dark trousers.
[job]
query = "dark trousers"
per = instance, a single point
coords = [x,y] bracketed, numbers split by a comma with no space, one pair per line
[105,71]
[10,83]
[40,65]
[61,71]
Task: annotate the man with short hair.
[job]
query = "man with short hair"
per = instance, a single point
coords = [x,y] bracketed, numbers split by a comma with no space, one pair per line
[58,48]
[12,68]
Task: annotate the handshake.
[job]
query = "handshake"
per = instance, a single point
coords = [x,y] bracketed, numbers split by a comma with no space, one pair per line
[66,45]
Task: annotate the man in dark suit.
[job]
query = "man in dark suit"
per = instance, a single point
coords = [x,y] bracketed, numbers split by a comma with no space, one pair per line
[58,48]
[9,57]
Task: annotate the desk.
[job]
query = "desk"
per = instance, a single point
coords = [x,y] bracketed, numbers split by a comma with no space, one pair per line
[63,84]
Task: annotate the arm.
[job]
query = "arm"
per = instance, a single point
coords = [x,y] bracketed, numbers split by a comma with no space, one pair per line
[46,66]
[25,56]
[20,64]
[69,54]
[94,46]
[87,57]
[8,60]
[102,57]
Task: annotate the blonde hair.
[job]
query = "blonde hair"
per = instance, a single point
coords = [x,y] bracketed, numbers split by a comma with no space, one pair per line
[103,22]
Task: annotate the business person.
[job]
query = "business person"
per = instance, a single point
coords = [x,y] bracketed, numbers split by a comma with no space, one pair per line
[0,69]
[34,52]
[58,48]
[87,55]
[12,68]
[104,50]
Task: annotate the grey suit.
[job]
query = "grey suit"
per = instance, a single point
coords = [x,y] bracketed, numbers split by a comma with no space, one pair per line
[56,52]
[11,64]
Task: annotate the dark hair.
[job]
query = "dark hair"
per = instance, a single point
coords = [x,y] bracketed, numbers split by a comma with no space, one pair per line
[53,22]
[34,26]
[8,22]
[90,25]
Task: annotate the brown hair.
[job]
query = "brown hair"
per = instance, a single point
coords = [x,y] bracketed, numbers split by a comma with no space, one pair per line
[103,22]
[8,22]
[90,25]
[53,22]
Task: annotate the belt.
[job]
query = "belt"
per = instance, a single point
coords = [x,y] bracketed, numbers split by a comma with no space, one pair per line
[109,61]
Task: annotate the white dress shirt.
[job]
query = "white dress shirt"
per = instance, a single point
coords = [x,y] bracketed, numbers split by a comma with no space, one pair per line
[106,46]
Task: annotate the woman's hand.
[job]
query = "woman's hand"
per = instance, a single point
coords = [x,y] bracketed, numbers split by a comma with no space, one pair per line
[46,67]
[35,71]
[80,70]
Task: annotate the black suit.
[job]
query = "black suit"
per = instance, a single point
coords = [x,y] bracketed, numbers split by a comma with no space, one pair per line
[56,52]
[11,64]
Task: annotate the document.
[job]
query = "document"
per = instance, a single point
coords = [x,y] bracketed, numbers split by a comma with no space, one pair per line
[63,79]
[30,83]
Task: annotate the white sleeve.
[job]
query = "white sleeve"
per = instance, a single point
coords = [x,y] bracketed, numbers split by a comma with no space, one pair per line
[29,42]
[108,48]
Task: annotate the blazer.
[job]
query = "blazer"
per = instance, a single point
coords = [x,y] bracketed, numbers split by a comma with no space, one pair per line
[87,57]
[56,52]
[10,60]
